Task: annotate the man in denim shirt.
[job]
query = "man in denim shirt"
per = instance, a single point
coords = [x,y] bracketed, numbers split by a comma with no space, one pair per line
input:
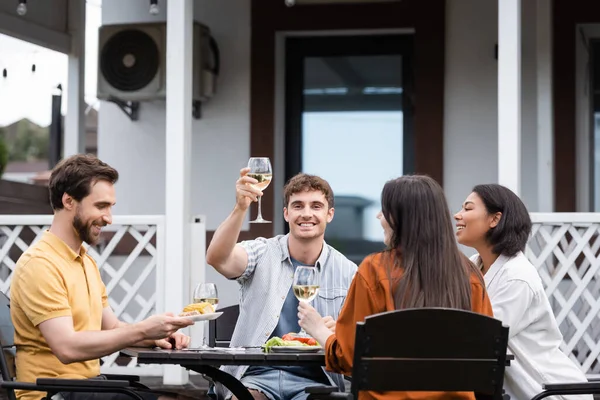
[265,269]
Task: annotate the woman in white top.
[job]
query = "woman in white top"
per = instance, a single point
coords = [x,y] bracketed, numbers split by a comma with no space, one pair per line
[495,222]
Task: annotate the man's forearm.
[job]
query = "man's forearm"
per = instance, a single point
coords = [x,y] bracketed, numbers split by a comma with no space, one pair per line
[225,238]
[89,345]
[141,343]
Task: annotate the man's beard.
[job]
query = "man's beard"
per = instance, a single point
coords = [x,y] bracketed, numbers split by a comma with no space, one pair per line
[84,231]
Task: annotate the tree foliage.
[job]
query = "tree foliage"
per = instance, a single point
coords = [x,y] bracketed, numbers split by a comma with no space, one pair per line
[27,141]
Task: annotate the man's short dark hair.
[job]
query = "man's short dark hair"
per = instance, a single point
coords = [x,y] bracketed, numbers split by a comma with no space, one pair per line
[512,232]
[304,183]
[76,175]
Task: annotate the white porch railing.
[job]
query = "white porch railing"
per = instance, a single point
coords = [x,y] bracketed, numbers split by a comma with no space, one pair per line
[565,248]
[133,278]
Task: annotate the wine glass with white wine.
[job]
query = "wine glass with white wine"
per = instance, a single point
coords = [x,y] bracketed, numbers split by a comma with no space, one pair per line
[260,169]
[306,287]
[207,292]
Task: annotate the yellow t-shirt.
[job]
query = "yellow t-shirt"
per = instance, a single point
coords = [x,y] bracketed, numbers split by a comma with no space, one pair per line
[50,281]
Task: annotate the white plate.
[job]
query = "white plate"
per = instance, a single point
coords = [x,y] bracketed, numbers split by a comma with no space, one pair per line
[205,317]
[295,349]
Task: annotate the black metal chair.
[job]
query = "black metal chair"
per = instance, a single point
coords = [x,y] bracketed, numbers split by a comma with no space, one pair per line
[435,349]
[555,389]
[427,349]
[125,384]
[221,329]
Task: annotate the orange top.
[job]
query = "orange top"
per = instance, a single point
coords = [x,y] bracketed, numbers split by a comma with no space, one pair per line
[369,294]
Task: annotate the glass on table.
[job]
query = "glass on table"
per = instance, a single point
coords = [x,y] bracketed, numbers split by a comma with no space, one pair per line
[206,292]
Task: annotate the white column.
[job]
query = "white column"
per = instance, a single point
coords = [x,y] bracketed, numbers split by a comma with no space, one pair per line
[180,18]
[74,132]
[545,126]
[509,94]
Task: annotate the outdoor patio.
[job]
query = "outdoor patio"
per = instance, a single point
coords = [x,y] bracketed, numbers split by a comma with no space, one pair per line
[133,255]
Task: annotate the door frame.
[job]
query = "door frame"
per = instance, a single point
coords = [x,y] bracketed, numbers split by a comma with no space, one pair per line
[299,48]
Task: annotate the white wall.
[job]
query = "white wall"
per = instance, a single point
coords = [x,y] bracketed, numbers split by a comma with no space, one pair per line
[221,139]
[471,100]
[470,97]
[529,117]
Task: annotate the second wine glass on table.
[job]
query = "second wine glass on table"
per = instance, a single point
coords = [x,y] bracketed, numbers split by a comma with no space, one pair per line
[207,292]
[306,287]
[260,169]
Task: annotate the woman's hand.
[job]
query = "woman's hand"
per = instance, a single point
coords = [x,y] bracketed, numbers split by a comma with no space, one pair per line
[329,323]
[313,324]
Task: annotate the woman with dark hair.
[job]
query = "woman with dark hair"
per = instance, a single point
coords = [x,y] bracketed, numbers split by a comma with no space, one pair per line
[495,222]
[422,267]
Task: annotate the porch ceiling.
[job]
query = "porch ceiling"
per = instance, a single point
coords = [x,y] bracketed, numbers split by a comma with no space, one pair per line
[351,83]
[46,23]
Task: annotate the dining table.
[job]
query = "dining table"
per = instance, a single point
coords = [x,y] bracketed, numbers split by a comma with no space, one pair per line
[206,360]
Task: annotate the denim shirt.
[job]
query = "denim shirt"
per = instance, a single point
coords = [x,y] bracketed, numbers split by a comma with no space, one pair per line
[265,284]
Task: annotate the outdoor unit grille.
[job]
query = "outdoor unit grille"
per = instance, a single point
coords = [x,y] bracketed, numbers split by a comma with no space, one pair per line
[132,62]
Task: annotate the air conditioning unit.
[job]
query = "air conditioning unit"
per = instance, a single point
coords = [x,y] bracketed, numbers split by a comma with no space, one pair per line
[132,62]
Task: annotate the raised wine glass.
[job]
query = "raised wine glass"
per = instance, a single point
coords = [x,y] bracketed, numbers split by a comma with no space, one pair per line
[260,169]
[306,287]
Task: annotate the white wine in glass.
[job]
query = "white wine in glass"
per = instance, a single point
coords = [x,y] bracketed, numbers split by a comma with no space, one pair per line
[260,169]
[306,287]
[263,180]
[306,292]
[207,292]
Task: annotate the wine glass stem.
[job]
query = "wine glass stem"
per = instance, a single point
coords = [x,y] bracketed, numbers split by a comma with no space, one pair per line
[259,216]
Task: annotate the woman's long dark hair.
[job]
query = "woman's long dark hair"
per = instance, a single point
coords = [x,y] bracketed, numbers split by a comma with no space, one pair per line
[435,272]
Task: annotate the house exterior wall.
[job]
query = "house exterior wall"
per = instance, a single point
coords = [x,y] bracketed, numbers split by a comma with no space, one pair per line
[471,100]
[220,138]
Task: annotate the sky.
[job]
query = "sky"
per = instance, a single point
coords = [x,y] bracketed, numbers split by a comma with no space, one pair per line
[24,94]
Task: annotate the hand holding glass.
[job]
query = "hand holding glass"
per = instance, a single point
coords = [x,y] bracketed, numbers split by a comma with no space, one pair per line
[306,287]
[260,169]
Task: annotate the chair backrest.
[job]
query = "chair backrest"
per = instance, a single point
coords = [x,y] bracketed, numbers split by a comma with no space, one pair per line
[221,329]
[430,349]
[7,346]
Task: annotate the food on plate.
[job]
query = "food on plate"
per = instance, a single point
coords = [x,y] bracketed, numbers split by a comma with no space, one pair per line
[309,341]
[197,309]
[290,340]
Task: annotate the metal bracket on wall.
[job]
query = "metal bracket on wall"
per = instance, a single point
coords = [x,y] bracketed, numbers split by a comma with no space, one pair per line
[197,109]
[130,108]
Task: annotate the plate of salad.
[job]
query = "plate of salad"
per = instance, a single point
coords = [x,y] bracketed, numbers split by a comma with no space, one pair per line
[291,344]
